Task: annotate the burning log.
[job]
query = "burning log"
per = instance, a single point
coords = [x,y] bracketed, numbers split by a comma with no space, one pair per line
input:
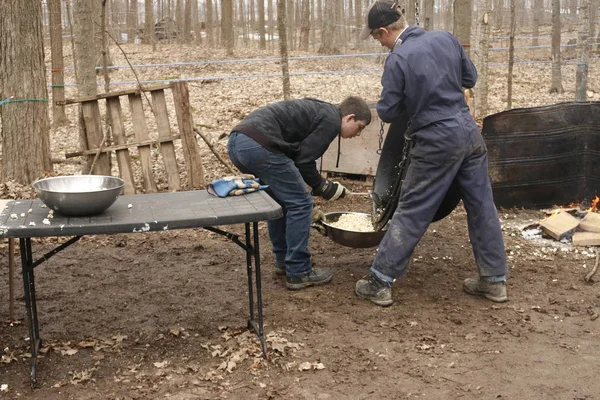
[559,225]
[591,222]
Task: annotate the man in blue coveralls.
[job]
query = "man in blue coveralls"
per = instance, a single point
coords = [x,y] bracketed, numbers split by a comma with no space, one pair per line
[424,75]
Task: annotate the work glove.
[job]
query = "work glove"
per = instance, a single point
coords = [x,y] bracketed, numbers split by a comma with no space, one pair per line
[234,185]
[317,214]
[318,217]
[330,190]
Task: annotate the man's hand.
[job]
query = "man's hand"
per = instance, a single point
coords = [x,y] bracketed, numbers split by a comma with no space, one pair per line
[317,214]
[330,190]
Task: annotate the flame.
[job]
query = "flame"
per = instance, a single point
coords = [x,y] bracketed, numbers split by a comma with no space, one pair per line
[594,204]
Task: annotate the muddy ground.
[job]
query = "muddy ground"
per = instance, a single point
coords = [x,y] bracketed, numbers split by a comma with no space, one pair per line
[163,315]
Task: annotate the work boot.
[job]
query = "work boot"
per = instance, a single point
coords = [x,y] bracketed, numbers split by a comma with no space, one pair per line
[494,291]
[374,289]
[279,269]
[317,276]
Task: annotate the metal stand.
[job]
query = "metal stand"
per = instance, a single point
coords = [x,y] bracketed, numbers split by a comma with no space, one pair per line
[27,266]
[251,246]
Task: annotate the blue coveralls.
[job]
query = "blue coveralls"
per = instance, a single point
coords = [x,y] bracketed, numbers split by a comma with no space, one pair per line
[424,75]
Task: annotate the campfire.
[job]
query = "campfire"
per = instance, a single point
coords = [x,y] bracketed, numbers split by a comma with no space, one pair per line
[578,224]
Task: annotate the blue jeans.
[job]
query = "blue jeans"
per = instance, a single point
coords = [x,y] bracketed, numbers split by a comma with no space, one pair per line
[289,234]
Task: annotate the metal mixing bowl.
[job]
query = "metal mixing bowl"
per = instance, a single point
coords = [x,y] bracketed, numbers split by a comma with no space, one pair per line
[351,238]
[79,195]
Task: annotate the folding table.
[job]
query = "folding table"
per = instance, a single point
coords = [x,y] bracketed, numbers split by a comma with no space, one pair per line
[27,219]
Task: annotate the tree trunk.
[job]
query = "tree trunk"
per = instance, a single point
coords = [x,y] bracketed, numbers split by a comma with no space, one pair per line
[538,13]
[498,13]
[196,22]
[87,51]
[227,26]
[56,51]
[241,21]
[179,17]
[511,55]
[270,28]
[328,31]
[556,86]
[282,31]
[187,22]
[25,122]
[358,17]
[427,14]
[134,18]
[411,12]
[149,25]
[290,24]
[462,23]
[582,50]
[262,44]
[484,39]
[305,26]
[209,23]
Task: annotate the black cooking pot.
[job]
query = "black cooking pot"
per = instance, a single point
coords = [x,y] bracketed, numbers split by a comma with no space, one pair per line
[390,175]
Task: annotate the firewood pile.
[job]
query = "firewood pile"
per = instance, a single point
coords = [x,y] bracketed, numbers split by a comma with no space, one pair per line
[581,227]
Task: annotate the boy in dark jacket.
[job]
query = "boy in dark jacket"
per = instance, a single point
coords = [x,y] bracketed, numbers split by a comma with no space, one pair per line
[279,144]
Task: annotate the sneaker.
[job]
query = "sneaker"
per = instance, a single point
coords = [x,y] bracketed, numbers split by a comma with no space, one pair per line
[279,269]
[318,276]
[494,291]
[374,289]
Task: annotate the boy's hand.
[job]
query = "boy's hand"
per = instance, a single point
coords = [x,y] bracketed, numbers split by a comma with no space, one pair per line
[330,190]
[317,214]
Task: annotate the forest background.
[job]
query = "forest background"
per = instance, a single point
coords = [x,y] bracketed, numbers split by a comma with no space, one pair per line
[527,53]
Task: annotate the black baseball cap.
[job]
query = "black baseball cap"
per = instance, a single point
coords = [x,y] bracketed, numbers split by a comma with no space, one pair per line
[379,15]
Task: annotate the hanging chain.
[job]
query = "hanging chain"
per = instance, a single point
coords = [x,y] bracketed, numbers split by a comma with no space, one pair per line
[417,12]
[405,154]
[380,137]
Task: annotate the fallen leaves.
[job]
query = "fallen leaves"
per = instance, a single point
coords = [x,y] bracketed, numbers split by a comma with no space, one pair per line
[307,366]
[8,356]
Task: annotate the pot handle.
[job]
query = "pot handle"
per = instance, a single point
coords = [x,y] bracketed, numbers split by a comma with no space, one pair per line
[319,227]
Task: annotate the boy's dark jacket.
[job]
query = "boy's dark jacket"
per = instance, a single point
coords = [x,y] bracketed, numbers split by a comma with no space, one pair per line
[301,129]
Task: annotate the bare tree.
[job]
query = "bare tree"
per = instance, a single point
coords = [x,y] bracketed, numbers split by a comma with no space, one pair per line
[282,31]
[462,23]
[427,14]
[538,14]
[483,50]
[87,50]
[261,24]
[358,17]
[187,21]
[511,54]
[56,51]
[209,23]
[24,114]
[582,50]
[227,26]
[149,24]
[556,85]
[196,22]
[305,25]
[270,25]
[328,30]
[497,13]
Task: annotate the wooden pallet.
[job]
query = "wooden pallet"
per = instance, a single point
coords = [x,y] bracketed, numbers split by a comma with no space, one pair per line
[98,155]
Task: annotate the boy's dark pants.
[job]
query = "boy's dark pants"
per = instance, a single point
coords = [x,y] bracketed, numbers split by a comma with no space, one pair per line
[445,151]
[289,234]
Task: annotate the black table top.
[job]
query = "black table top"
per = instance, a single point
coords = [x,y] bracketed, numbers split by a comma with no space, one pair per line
[138,213]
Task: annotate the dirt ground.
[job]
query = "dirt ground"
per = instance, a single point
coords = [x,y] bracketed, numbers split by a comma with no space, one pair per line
[163,315]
